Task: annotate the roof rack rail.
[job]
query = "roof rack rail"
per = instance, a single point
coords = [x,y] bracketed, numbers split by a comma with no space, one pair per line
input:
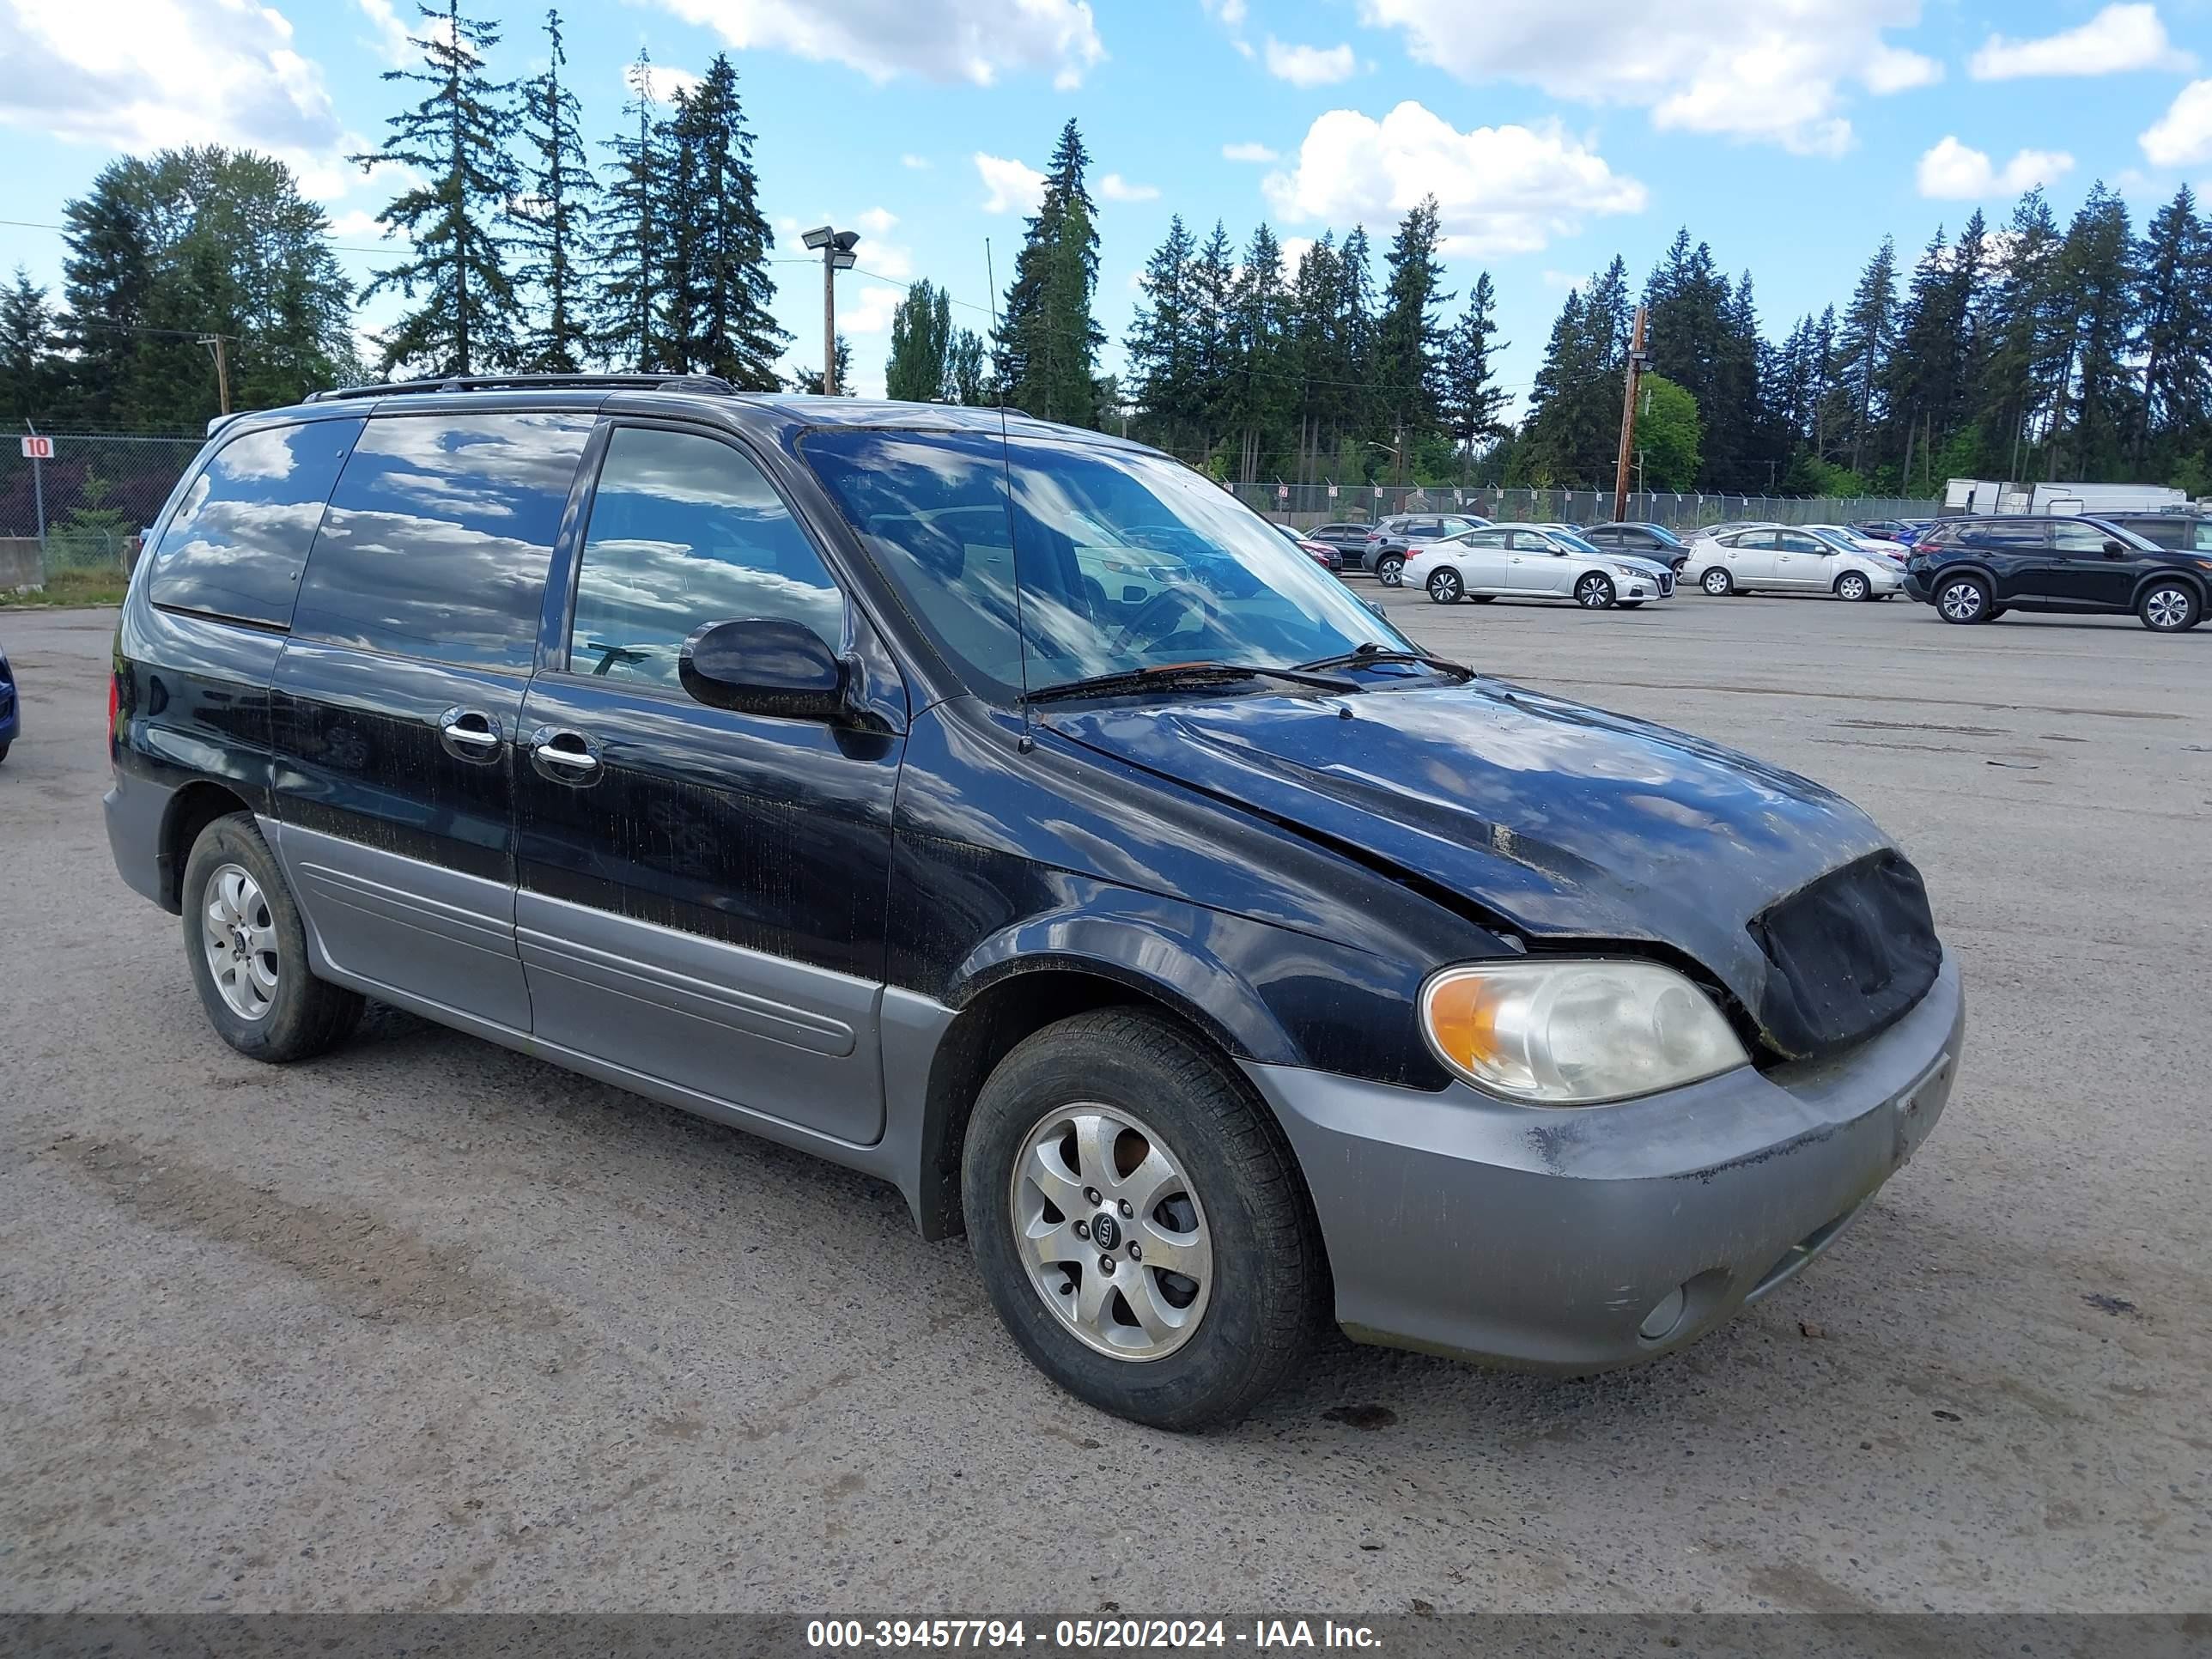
[529,383]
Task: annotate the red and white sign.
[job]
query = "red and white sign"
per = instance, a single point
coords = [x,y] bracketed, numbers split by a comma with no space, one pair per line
[1282,492]
[38,449]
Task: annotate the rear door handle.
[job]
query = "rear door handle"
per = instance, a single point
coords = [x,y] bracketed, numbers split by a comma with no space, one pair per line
[562,755]
[469,733]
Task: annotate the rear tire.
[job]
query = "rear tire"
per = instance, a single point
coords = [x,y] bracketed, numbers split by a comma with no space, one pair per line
[1717,582]
[242,930]
[1965,600]
[2168,607]
[1446,588]
[1229,1191]
[4,748]
[1390,569]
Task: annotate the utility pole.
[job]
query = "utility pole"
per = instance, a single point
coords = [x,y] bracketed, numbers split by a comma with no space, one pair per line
[222,370]
[837,255]
[1637,359]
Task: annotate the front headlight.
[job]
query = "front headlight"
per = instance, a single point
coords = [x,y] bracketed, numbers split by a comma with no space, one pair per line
[1574,1033]
[1630,570]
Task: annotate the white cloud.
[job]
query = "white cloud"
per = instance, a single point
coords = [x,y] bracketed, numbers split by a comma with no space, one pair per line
[2118,37]
[1012,186]
[358,226]
[1501,190]
[1248,153]
[1566,282]
[1230,12]
[918,163]
[975,41]
[390,34]
[1748,70]
[662,81]
[1115,188]
[2183,136]
[1952,171]
[1294,249]
[1309,66]
[135,77]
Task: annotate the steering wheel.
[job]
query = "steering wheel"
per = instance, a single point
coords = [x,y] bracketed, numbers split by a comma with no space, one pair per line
[1169,603]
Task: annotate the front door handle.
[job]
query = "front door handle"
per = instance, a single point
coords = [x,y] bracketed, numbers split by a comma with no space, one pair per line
[469,733]
[564,756]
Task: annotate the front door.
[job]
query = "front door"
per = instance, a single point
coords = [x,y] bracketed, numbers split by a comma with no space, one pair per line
[1801,561]
[1538,568]
[396,703]
[701,891]
[2091,566]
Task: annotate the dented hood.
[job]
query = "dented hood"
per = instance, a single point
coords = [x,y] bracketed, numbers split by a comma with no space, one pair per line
[1563,821]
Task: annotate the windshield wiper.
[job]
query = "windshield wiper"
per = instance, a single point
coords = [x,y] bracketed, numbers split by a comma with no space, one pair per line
[1173,674]
[1360,656]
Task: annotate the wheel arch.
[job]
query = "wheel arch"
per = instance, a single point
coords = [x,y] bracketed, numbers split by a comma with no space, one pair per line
[2188,579]
[189,810]
[1003,1006]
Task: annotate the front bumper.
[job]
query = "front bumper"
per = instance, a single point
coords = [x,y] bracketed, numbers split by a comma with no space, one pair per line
[1557,1240]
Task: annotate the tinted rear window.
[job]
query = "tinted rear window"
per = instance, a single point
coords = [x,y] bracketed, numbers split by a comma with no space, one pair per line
[439,534]
[241,535]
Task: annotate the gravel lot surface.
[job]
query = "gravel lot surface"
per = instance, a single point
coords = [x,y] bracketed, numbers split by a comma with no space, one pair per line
[426,1325]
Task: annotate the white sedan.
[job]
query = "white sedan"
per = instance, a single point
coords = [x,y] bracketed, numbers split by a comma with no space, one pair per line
[1533,562]
[1790,559]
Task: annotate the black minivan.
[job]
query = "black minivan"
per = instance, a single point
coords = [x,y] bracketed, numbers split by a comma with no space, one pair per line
[1007,811]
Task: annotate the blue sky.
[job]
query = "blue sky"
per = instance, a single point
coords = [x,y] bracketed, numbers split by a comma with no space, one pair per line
[1556,132]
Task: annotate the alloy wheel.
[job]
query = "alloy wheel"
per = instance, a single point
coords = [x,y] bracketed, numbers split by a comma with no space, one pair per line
[1595,592]
[240,936]
[1390,572]
[1961,602]
[2167,608]
[1111,1231]
[1714,582]
[1852,587]
[1444,587]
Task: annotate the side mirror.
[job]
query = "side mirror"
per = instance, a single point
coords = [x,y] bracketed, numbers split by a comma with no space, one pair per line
[764,665]
[1375,608]
[2114,550]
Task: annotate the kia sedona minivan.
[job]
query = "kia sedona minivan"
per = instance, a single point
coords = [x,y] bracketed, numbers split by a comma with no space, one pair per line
[1007,811]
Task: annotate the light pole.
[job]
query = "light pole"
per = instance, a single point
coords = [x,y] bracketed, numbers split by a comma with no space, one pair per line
[837,255]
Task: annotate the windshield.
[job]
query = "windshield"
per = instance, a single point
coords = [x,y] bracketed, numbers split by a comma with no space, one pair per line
[1574,544]
[1129,561]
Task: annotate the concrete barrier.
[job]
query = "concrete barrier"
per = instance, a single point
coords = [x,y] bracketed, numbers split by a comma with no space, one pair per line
[20,565]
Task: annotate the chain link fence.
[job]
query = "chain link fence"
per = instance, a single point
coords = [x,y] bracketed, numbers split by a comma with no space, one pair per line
[91,500]
[1304,506]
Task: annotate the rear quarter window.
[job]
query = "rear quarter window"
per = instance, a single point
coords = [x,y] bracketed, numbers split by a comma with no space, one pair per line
[439,534]
[236,544]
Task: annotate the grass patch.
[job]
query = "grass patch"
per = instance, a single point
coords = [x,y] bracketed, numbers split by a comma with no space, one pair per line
[70,587]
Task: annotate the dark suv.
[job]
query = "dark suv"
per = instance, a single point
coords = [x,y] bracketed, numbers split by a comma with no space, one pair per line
[1974,570]
[1649,541]
[1385,551]
[1007,812]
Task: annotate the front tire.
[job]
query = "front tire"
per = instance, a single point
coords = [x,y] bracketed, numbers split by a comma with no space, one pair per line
[1853,586]
[248,950]
[1595,592]
[2168,608]
[1390,569]
[1118,1126]
[1964,600]
[1717,582]
[1446,588]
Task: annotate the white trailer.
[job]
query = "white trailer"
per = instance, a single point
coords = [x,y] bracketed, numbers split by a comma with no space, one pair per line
[2066,500]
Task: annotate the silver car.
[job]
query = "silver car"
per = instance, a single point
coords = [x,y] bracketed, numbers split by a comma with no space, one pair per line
[1533,562]
[1790,559]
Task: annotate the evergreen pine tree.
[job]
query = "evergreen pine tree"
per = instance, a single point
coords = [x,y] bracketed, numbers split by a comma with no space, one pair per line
[1212,305]
[809,381]
[2098,271]
[1474,402]
[1868,335]
[553,219]
[456,139]
[2173,299]
[1406,335]
[26,352]
[715,300]
[1258,391]
[1049,342]
[1161,343]
[627,248]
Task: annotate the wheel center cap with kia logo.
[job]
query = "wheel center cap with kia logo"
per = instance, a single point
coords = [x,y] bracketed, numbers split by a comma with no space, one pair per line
[1106,1232]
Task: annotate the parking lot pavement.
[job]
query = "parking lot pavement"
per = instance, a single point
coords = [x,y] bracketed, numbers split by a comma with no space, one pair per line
[428,1325]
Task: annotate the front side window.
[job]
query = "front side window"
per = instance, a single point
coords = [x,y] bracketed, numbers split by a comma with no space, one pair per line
[2079,538]
[439,535]
[238,540]
[1128,560]
[1796,541]
[686,531]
